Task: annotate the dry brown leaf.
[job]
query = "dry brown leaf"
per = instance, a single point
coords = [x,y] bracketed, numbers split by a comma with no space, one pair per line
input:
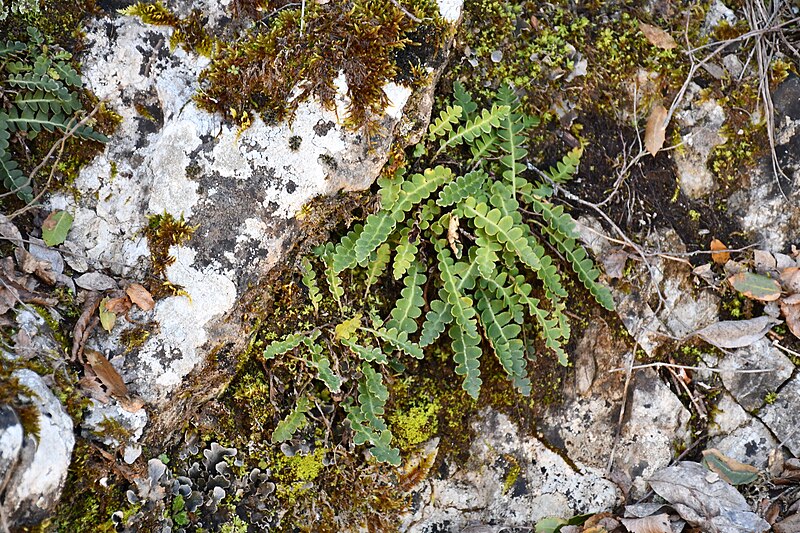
[656,131]
[650,524]
[452,234]
[763,261]
[29,264]
[91,385]
[83,327]
[657,37]
[717,254]
[140,296]
[791,312]
[119,306]
[107,374]
[792,299]
[790,278]
[737,333]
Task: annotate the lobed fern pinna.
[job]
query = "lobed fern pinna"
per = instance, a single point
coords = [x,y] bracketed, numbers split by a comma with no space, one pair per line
[35,95]
[473,234]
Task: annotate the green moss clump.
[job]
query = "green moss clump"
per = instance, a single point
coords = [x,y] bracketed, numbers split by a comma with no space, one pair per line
[415,425]
[189,34]
[163,232]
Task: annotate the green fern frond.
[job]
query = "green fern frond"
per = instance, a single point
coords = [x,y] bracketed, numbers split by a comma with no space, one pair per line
[409,307]
[419,188]
[310,281]
[583,267]
[405,254]
[369,354]
[33,123]
[443,125]
[464,100]
[466,354]
[9,48]
[34,82]
[397,339]
[483,145]
[293,422]
[567,167]
[332,277]
[65,72]
[487,250]
[55,103]
[287,344]
[461,306]
[551,333]
[390,188]
[378,261]
[322,364]
[503,335]
[556,218]
[498,285]
[376,231]
[344,255]
[463,187]
[483,123]
[436,320]
[372,396]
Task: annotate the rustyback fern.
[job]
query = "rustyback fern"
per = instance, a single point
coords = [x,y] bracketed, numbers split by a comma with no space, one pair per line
[465,246]
[38,88]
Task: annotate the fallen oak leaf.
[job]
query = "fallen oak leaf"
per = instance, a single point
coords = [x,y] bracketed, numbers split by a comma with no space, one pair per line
[655,132]
[140,296]
[657,37]
[719,256]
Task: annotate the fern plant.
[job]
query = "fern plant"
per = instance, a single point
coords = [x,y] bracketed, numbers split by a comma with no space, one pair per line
[38,91]
[472,237]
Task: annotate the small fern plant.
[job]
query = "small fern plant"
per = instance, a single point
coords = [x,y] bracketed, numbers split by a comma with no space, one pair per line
[38,91]
[478,238]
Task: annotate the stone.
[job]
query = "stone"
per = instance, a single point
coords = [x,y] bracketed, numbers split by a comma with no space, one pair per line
[783,416]
[242,189]
[482,491]
[35,484]
[750,389]
[739,435]
[10,440]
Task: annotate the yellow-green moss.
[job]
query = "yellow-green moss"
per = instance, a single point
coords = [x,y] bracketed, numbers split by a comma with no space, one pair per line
[414,425]
[162,232]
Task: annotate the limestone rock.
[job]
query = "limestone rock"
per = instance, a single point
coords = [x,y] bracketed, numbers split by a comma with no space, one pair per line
[750,389]
[10,439]
[783,416]
[739,435]
[509,479]
[37,480]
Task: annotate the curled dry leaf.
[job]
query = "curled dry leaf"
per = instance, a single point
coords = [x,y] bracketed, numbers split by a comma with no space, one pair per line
[790,279]
[83,327]
[756,286]
[791,312]
[118,306]
[657,37]
[140,296]
[656,131]
[650,524]
[107,374]
[737,333]
[717,255]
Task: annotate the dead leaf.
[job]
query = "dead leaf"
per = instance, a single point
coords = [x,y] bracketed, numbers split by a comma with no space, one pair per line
[737,333]
[657,37]
[790,278]
[131,403]
[656,131]
[730,470]
[107,374]
[614,263]
[83,327]
[452,235]
[107,318]
[651,524]
[30,265]
[140,296]
[756,286]
[791,312]
[95,281]
[9,231]
[9,296]
[791,299]
[704,501]
[764,261]
[92,385]
[717,255]
[119,306]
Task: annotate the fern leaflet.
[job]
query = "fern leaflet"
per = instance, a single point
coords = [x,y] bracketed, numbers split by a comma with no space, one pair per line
[503,335]
[409,307]
[294,421]
[310,281]
[464,186]
[444,124]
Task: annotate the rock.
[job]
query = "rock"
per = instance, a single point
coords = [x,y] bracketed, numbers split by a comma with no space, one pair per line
[10,439]
[739,435]
[783,416]
[241,189]
[717,13]
[36,482]
[131,423]
[790,524]
[751,389]
[762,208]
[509,479]
[702,122]
[585,424]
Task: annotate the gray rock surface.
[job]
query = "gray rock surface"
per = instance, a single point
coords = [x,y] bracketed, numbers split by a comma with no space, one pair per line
[479,491]
[750,389]
[739,435]
[783,416]
[35,484]
[11,434]
[241,188]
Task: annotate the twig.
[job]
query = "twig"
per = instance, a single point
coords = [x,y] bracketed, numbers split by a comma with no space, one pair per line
[620,418]
[702,369]
[405,11]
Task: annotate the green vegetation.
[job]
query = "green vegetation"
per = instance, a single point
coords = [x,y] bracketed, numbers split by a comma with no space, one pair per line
[471,254]
[37,92]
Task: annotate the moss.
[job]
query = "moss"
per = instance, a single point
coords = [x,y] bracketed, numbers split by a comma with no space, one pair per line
[236,525]
[134,338]
[163,232]
[512,475]
[300,467]
[189,34]
[414,425]
[110,428]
